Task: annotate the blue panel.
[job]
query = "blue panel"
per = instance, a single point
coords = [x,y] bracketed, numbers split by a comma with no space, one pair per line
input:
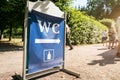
[46,42]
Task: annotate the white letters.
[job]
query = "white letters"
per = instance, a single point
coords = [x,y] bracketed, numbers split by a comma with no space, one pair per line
[46,26]
[53,28]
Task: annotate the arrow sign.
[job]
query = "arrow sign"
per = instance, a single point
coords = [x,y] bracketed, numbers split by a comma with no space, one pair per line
[47,41]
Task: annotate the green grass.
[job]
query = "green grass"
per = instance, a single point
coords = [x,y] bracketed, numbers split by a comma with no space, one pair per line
[14,41]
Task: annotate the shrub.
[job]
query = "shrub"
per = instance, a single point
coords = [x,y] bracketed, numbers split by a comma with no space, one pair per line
[107,22]
[84,29]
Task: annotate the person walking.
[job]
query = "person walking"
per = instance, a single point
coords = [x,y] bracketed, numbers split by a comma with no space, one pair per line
[67,37]
[112,36]
[104,37]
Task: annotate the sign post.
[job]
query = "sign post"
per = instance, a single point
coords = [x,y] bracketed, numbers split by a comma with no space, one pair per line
[44,39]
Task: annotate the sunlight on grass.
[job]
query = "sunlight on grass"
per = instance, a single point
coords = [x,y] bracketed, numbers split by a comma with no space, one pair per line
[15,41]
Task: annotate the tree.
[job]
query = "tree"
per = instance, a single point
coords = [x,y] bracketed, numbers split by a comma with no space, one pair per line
[3,18]
[102,8]
[12,14]
[63,4]
[16,14]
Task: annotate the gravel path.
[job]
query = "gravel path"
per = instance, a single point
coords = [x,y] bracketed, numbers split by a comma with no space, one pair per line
[92,62]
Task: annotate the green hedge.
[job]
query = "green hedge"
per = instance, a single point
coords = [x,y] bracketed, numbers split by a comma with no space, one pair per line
[84,29]
[107,22]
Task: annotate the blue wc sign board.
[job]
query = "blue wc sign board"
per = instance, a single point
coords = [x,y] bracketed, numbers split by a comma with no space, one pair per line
[45,41]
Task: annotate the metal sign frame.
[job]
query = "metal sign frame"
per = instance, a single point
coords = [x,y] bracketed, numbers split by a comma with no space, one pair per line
[44,72]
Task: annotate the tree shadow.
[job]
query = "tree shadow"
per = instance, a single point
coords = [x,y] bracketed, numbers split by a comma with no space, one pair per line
[6,46]
[108,57]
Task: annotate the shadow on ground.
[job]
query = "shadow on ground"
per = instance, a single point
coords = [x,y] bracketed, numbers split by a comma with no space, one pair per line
[6,46]
[108,57]
[17,77]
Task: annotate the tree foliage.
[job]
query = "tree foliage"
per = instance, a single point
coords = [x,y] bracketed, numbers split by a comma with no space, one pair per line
[84,29]
[102,8]
[107,22]
[12,14]
[3,16]
[63,4]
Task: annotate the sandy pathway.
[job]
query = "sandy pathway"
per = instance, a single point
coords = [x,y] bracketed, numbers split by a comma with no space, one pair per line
[92,62]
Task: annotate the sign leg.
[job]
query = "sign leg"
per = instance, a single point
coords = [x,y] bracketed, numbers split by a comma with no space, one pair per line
[71,73]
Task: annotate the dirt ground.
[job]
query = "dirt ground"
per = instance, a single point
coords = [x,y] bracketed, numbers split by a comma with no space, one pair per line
[92,62]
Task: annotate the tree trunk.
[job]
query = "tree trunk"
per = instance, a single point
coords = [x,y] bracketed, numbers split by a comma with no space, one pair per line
[23,33]
[1,34]
[10,34]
